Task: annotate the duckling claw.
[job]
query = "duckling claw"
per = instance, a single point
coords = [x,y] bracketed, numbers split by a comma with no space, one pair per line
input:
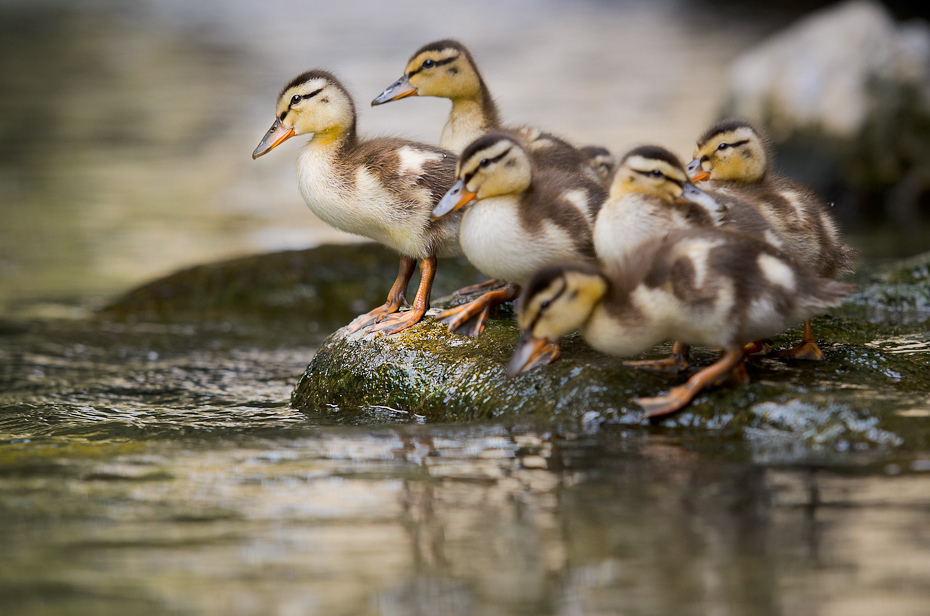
[399,321]
[807,349]
[493,284]
[663,406]
[673,364]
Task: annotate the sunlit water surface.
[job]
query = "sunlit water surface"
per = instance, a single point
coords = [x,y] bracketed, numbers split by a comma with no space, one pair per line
[158,469]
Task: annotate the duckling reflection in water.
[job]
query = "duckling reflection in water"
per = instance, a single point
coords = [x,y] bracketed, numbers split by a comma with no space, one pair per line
[516,220]
[383,188]
[732,158]
[706,287]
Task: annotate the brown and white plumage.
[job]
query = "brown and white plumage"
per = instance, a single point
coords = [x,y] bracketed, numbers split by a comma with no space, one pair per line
[383,188]
[517,219]
[732,159]
[447,69]
[651,194]
[700,286]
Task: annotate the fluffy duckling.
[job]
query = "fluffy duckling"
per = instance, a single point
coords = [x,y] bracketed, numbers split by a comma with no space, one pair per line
[517,221]
[732,158]
[383,189]
[701,286]
[602,161]
[447,69]
[651,195]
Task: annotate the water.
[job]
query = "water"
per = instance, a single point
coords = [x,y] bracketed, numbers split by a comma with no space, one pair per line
[155,468]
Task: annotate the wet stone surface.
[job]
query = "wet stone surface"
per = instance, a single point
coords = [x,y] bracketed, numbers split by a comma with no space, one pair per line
[870,392]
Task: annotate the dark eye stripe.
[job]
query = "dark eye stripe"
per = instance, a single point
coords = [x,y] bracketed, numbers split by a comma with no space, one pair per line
[735,144]
[544,305]
[490,161]
[435,64]
[303,97]
[650,174]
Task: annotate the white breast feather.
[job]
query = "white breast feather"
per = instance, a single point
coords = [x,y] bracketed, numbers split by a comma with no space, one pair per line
[494,240]
[363,207]
[622,224]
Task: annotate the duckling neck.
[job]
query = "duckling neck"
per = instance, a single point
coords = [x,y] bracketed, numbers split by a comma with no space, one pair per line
[336,139]
[469,118]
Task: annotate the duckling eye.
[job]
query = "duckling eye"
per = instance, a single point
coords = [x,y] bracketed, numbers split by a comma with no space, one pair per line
[295,99]
[657,174]
[428,63]
[723,146]
[484,162]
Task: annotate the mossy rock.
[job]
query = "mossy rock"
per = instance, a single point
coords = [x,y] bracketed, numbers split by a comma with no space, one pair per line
[870,391]
[863,395]
[896,291]
[322,288]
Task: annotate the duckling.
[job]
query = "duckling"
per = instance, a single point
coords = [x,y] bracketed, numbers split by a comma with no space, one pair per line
[602,161]
[700,286]
[732,158]
[383,188]
[517,221]
[447,69]
[651,195]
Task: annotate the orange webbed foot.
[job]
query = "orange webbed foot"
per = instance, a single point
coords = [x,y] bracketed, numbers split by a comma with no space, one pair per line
[674,363]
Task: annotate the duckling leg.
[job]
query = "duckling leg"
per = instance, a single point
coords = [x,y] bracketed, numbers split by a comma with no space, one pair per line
[396,298]
[488,285]
[679,397]
[393,323]
[469,319]
[763,347]
[807,349]
[674,363]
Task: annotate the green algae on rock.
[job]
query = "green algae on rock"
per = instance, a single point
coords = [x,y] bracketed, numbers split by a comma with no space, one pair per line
[324,287]
[852,399]
[899,290]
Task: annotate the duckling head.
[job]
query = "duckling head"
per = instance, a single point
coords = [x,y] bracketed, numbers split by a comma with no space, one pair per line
[443,68]
[654,171]
[558,299]
[733,151]
[491,166]
[313,102]
[601,160]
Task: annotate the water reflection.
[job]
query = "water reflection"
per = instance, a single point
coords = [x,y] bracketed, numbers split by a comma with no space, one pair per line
[156,468]
[426,520]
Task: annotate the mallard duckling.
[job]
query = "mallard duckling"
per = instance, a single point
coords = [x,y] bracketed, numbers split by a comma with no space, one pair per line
[602,161]
[732,158]
[651,195]
[447,69]
[517,220]
[700,286]
[383,189]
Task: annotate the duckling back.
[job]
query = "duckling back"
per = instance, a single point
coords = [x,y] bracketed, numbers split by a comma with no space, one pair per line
[732,159]
[707,287]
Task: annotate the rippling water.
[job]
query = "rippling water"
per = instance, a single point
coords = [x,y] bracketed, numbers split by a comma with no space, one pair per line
[152,468]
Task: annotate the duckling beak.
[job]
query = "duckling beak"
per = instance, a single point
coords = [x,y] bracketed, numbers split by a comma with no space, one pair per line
[457,196]
[275,135]
[696,173]
[529,351]
[693,194]
[399,89]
